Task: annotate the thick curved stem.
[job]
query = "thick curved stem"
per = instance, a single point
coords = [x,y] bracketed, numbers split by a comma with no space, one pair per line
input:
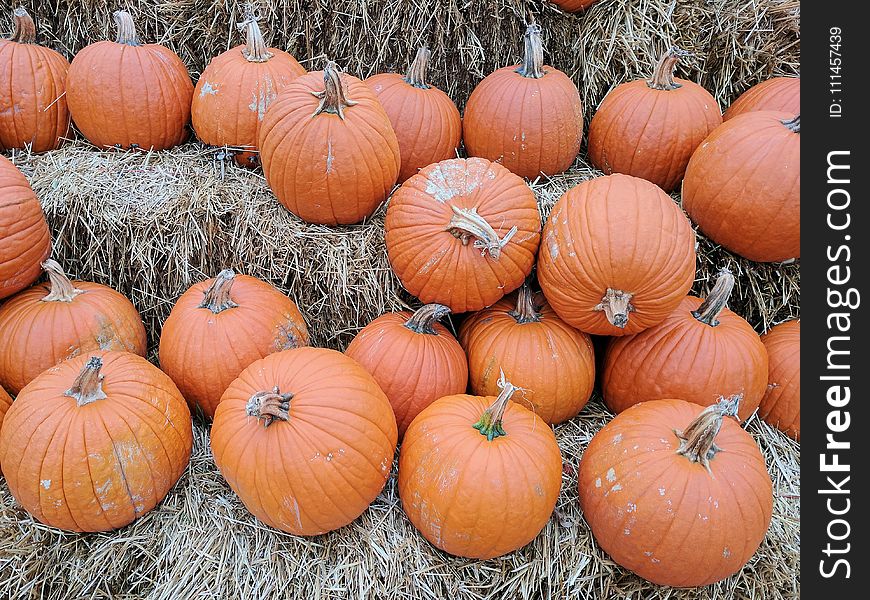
[793,125]
[709,311]
[217,297]
[126,28]
[526,311]
[466,224]
[533,55]
[490,423]
[698,440]
[663,76]
[24,31]
[424,318]
[62,289]
[88,386]
[616,305]
[416,74]
[333,98]
[270,406]
[255,46]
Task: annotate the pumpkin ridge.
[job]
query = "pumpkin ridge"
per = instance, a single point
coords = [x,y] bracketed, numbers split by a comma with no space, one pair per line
[289,441]
[68,417]
[123,472]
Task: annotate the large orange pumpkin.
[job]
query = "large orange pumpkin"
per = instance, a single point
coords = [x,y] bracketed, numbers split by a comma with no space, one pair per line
[24,238]
[479,477]
[306,438]
[425,119]
[328,149]
[675,492]
[699,353]
[414,359]
[33,109]
[528,117]
[124,94]
[60,319]
[649,128]
[781,405]
[550,361]
[463,233]
[778,93]
[618,256]
[742,186]
[236,88]
[95,442]
[220,326]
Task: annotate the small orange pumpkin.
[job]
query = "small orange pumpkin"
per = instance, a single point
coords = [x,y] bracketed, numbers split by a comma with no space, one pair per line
[782,94]
[781,405]
[573,5]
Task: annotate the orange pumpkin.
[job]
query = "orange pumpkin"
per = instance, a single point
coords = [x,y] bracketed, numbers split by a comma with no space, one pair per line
[5,403]
[699,353]
[328,149]
[781,404]
[463,233]
[479,477]
[528,117]
[61,319]
[550,361]
[124,94]
[782,94]
[414,359]
[675,492]
[236,88]
[650,128]
[220,326]
[95,442]
[33,111]
[24,238]
[319,447]
[742,186]
[618,256]
[573,5]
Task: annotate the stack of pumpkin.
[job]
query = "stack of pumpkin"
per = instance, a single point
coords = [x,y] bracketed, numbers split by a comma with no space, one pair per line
[97,435]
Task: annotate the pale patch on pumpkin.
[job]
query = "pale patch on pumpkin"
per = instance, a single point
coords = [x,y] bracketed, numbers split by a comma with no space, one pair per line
[726,552]
[598,482]
[330,157]
[617,438]
[45,483]
[611,475]
[262,98]
[436,181]
[208,88]
[539,490]
[661,491]
[433,260]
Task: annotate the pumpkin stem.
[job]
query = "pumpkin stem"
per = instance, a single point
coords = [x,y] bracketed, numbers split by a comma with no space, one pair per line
[663,76]
[616,305]
[423,319]
[333,99]
[126,28]
[466,224]
[217,297]
[24,31]
[255,47]
[526,311]
[88,386]
[416,74]
[62,289]
[269,405]
[490,421]
[533,56]
[794,124]
[697,441]
[709,311]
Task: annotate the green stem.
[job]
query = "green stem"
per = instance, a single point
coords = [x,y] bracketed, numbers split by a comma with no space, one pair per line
[490,423]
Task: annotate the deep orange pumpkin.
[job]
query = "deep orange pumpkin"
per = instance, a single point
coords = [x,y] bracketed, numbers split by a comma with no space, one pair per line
[328,149]
[781,405]
[124,94]
[95,442]
[675,492]
[220,326]
[778,93]
[617,257]
[236,88]
[742,186]
[33,109]
[306,438]
[701,352]
[550,361]
[414,359]
[425,119]
[479,477]
[24,238]
[463,233]
[5,403]
[528,117]
[573,5]
[650,128]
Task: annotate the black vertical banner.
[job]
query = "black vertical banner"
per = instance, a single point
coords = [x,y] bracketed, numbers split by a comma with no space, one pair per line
[834,271]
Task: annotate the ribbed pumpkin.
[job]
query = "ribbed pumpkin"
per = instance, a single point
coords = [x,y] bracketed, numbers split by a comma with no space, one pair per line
[124,94]
[700,353]
[236,88]
[618,256]
[573,5]
[328,149]
[528,117]
[649,128]
[61,319]
[479,477]
[463,233]
[24,238]
[306,438]
[220,326]
[742,186]
[95,442]
[414,359]
[781,404]
[675,492]
[33,109]
[553,363]
[778,93]
[5,403]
